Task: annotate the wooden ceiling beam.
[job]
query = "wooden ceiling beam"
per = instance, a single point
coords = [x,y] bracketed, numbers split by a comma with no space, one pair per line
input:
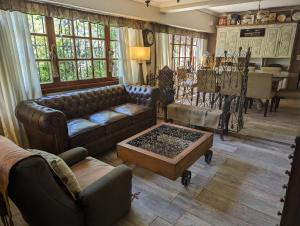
[200,5]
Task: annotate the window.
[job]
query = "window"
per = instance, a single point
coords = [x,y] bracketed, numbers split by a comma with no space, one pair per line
[80,51]
[39,38]
[115,48]
[184,50]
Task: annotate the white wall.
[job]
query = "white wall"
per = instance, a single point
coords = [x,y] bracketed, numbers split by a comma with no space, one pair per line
[194,20]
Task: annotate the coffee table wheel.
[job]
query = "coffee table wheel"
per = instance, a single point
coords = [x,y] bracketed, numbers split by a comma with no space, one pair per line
[208,156]
[186,178]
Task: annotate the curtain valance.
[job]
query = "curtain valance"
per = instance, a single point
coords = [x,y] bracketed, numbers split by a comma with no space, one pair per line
[53,10]
[58,11]
[160,28]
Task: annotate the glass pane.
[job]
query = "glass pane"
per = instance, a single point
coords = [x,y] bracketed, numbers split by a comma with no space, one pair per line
[176,51]
[114,46]
[114,33]
[181,62]
[83,48]
[67,71]
[37,24]
[81,28]
[85,69]
[40,47]
[188,40]
[45,73]
[116,68]
[182,51]
[100,68]
[98,48]
[177,39]
[183,39]
[187,51]
[97,31]
[63,27]
[65,48]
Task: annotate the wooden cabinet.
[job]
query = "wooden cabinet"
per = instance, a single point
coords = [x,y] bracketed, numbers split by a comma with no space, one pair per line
[277,43]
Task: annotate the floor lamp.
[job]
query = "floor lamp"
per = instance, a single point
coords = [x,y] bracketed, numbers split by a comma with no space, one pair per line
[140,54]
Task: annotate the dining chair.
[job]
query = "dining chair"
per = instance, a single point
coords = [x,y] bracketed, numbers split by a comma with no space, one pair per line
[206,83]
[187,81]
[259,86]
[290,91]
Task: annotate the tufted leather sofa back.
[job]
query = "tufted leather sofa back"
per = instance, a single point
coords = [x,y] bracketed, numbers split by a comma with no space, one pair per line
[80,103]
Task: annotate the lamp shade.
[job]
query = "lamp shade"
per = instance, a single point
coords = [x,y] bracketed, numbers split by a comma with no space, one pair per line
[140,53]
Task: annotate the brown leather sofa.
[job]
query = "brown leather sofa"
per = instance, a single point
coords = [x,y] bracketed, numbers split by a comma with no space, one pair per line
[95,118]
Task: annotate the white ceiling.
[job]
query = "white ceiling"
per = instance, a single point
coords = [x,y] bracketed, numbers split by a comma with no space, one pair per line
[218,6]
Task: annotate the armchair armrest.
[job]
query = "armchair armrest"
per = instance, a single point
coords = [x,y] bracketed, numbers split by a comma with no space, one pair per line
[74,155]
[107,199]
[143,95]
[46,128]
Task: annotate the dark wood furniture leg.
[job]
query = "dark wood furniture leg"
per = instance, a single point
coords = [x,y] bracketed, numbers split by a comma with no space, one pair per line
[266,107]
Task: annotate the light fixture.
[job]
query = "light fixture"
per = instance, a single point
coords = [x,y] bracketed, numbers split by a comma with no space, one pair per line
[140,54]
[148,2]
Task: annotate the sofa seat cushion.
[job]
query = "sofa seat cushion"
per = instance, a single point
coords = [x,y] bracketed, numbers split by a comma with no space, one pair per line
[90,170]
[81,131]
[136,112]
[112,121]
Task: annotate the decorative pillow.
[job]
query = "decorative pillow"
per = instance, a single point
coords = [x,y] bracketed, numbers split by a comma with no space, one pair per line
[62,170]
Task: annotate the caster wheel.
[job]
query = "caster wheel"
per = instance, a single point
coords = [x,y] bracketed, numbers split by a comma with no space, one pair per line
[186,178]
[208,156]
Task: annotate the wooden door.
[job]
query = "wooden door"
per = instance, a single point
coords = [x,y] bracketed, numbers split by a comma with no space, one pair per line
[243,43]
[231,41]
[256,47]
[285,41]
[221,42]
[270,44]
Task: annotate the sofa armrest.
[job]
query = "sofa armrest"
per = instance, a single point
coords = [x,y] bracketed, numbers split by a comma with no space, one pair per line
[41,123]
[74,155]
[143,95]
[108,199]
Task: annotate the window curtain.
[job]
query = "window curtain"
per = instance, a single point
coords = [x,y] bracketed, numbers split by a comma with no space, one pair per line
[163,51]
[19,78]
[200,50]
[130,37]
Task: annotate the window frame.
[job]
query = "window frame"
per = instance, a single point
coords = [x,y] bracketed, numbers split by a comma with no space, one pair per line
[185,45]
[59,86]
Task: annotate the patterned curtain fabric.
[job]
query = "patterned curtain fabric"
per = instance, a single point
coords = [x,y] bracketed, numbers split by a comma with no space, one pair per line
[160,28]
[19,78]
[130,38]
[163,51]
[52,10]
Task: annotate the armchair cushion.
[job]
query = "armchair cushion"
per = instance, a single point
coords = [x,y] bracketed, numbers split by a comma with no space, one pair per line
[112,121]
[107,199]
[62,170]
[134,111]
[74,155]
[90,170]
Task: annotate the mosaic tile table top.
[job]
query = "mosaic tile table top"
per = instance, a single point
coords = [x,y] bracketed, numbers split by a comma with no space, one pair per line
[166,149]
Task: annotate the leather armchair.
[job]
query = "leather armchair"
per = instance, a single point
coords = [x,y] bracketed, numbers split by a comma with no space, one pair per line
[42,200]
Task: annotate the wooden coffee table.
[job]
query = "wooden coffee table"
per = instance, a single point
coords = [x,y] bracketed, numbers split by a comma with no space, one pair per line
[167,149]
